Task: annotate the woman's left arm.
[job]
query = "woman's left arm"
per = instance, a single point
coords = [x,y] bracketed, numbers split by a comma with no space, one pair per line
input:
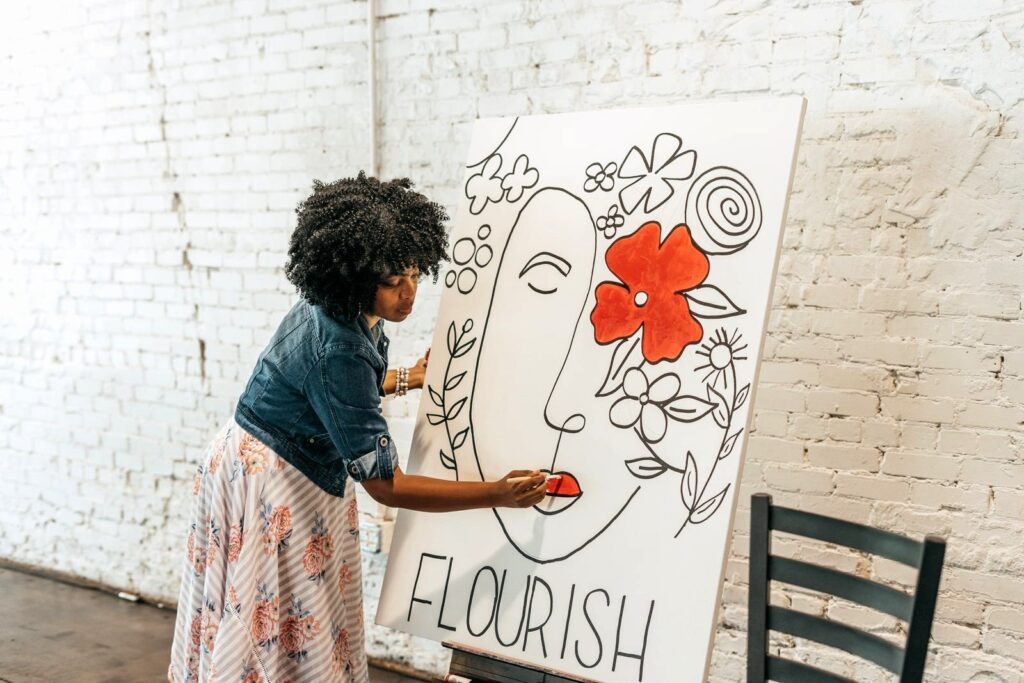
[416,376]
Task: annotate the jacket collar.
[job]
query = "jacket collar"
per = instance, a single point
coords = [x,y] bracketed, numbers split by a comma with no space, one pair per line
[371,333]
[351,326]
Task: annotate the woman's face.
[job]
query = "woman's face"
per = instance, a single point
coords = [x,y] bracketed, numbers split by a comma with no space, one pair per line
[396,295]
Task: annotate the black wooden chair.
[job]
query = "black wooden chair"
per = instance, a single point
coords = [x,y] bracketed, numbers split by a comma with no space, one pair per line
[916,609]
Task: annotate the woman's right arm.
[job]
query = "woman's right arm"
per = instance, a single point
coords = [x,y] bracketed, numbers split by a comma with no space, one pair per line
[519,488]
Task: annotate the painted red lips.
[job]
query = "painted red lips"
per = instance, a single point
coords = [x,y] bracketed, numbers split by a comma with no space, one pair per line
[564,487]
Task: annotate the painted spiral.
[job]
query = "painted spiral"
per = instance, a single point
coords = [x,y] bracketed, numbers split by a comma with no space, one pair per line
[725,205]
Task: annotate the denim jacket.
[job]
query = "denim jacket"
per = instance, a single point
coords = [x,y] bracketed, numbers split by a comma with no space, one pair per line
[314,398]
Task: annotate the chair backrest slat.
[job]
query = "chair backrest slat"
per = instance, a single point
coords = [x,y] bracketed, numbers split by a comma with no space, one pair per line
[792,671]
[843,585]
[857,536]
[917,609]
[852,640]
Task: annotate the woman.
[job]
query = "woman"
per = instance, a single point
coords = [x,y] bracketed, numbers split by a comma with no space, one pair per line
[271,589]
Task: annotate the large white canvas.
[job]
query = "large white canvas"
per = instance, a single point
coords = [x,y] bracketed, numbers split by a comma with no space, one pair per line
[533,366]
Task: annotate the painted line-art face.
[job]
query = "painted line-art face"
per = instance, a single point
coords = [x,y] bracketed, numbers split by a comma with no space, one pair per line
[537,327]
[580,369]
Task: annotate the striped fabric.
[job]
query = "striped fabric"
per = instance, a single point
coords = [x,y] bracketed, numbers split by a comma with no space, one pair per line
[271,589]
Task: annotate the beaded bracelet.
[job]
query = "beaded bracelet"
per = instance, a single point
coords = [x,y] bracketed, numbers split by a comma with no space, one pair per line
[401,381]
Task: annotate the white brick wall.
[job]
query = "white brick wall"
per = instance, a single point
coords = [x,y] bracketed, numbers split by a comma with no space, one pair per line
[152,155]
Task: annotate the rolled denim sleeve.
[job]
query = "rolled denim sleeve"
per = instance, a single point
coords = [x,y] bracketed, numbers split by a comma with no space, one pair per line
[342,388]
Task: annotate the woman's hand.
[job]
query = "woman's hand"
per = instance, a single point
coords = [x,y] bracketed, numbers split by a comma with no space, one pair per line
[521,489]
[418,372]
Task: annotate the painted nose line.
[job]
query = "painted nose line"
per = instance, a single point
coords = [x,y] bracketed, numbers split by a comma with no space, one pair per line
[572,424]
[578,423]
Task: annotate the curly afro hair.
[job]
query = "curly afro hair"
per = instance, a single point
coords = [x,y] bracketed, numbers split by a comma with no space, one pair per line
[354,232]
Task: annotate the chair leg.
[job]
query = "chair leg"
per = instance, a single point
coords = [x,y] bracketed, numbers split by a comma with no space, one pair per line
[925,595]
[757,592]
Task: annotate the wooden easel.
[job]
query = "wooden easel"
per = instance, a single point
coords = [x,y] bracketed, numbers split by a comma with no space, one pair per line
[477,666]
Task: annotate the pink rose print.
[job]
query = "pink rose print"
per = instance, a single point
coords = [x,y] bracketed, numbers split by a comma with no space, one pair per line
[341,654]
[252,453]
[297,629]
[319,549]
[277,527]
[235,539]
[264,618]
[196,554]
[352,517]
[218,455]
[292,639]
[344,578]
[196,630]
[209,635]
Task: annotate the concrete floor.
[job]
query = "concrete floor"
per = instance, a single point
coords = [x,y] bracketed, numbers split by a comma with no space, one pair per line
[51,631]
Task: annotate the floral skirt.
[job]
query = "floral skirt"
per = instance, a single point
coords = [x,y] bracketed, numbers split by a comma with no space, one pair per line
[271,589]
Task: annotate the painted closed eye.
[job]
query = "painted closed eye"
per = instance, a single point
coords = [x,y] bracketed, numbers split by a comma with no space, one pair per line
[546,271]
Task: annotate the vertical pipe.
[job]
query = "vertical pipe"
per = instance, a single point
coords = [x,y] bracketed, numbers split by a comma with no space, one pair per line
[371,47]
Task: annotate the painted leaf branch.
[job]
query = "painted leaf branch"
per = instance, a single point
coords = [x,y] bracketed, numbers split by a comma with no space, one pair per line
[458,344]
[626,355]
[699,507]
[709,302]
[647,406]
[697,510]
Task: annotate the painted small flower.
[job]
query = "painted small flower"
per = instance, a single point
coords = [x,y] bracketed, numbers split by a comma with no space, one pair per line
[644,403]
[611,222]
[485,186]
[197,480]
[600,176]
[251,675]
[720,352]
[651,175]
[519,179]
[654,277]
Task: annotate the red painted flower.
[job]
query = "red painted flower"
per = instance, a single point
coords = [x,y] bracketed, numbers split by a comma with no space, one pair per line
[654,276]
